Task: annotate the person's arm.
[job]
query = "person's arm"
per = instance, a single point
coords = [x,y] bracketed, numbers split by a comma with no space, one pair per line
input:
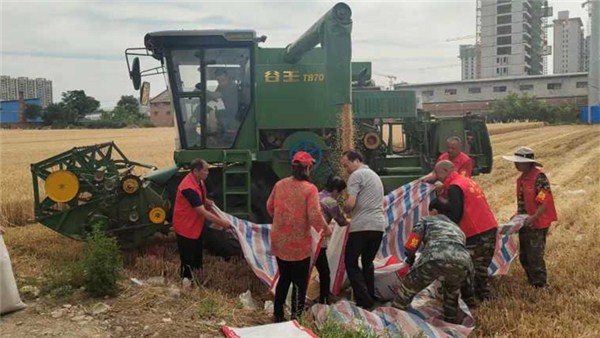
[430,178]
[354,187]
[456,201]
[196,203]
[413,242]
[338,216]
[201,210]
[271,203]
[350,203]
[313,210]
[543,195]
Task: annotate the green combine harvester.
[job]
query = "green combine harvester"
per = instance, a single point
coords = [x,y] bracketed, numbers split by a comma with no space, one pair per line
[246,110]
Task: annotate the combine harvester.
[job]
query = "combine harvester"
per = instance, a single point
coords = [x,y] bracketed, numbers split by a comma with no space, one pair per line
[246,110]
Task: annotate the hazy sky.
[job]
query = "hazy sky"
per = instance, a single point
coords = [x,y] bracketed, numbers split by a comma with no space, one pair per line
[80,45]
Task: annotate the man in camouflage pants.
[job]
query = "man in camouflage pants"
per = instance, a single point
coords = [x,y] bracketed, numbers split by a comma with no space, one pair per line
[534,198]
[443,257]
[470,210]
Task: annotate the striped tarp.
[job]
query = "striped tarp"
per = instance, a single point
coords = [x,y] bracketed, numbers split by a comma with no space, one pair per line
[403,207]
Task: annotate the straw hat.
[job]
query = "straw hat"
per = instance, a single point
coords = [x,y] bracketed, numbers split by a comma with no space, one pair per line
[523,155]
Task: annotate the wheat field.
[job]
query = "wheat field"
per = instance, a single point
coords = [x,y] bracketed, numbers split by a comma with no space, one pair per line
[569,308]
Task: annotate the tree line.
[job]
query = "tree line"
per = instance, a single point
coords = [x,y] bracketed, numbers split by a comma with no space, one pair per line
[524,107]
[75,107]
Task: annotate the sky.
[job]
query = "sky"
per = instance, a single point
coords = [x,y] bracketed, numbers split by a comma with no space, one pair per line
[80,45]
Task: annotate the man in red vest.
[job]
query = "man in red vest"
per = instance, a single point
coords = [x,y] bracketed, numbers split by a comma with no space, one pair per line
[534,198]
[471,211]
[462,162]
[192,208]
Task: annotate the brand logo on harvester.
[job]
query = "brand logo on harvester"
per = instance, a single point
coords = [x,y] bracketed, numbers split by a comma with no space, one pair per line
[287,76]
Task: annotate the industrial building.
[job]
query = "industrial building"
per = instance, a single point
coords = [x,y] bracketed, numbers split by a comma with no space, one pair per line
[459,97]
[38,88]
[11,111]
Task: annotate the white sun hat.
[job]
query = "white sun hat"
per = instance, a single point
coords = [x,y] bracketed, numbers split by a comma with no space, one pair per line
[523,155]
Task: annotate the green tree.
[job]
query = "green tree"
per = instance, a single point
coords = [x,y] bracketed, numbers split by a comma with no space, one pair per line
[80,103]
[516,107]
[129,102]
[33,111]
[58,114]
[127,111]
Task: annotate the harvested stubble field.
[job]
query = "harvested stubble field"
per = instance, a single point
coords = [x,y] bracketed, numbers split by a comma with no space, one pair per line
[569,308]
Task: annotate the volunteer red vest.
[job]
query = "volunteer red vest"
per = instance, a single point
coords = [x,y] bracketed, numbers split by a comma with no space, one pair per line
[533,200]
[462,162]
[477,217]
[186,220]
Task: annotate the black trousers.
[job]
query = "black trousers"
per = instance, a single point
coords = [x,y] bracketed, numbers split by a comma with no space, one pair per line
[190,254]
[363,244]
[324,279]
[295,272]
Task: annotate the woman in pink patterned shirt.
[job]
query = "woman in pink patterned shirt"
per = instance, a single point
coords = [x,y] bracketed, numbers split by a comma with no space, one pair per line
[294,206]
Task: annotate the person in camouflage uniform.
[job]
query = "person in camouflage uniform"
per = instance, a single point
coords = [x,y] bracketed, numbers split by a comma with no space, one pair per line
[443,257]
[534,198]
[470,210]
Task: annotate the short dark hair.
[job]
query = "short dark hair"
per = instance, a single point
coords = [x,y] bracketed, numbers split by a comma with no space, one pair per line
[353,155]
[198,164]
[441,207]
[299,172]
[335,183]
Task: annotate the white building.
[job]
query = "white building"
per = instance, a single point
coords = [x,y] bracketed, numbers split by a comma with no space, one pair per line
[31,88]
[512,37]
[569,44]
[468,62]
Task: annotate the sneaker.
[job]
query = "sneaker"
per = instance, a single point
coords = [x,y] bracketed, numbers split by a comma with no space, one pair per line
[186,283]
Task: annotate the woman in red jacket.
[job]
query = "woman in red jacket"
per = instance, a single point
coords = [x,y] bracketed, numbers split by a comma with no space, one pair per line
[294,206]
[534,198]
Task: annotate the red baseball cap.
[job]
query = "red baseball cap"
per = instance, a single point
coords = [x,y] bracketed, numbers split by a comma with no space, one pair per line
[303,158]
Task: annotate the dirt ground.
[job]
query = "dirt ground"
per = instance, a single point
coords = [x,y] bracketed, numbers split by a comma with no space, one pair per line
[569,309]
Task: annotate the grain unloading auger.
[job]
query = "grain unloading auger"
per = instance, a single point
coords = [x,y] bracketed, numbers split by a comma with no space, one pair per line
[246,109]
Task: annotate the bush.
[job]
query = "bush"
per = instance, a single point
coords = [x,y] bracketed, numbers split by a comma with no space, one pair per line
[102,264]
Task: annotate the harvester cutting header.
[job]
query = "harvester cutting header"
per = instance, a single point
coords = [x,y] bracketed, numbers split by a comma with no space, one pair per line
[246,110]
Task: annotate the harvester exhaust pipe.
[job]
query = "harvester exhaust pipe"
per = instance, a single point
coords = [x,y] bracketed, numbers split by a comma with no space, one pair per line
[333,31]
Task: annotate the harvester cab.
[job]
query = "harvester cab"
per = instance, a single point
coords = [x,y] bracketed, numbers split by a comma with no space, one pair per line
[246,109]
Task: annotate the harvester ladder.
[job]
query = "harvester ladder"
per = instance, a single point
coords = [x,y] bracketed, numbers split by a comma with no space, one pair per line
[237,166]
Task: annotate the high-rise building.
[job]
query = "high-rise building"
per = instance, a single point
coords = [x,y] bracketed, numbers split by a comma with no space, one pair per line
[569,44]
[38,88]
[468,60]
[513,40]
[587,42]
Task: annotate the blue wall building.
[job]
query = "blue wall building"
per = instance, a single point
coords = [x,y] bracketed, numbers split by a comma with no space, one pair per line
[9,110]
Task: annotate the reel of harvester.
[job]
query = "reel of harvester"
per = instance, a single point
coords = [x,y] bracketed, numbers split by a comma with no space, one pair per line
[98,185]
